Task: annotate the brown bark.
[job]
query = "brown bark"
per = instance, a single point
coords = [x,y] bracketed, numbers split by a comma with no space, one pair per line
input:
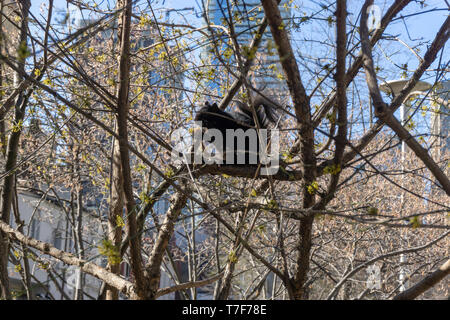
[116,210]
[224,290]
[11,154]
[363,265]
[384,112]
[113,280]
[2,110]
[288,61]
[425,284]
[116,200]
[122,130]
[186,285]
[122,285]
[306,140]
[429,57]
[153,266]
[341,99]
[353,70]
[247,64]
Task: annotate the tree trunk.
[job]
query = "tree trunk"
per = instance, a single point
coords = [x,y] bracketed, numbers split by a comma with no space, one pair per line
[115,214]
[123,105]
[11,153]
[162,241]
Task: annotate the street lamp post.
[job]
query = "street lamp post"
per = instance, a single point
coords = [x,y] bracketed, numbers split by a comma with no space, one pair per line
[394,87]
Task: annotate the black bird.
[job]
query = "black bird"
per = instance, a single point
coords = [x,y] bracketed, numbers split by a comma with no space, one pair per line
[212,117]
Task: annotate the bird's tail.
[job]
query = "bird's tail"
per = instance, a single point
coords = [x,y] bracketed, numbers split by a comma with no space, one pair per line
[265,111]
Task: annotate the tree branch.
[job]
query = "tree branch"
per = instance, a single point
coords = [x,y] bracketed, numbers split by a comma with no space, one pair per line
[426,283]
[112,279]
[288,61]
[153,266]
[335,290]
[384,113]
[187,285]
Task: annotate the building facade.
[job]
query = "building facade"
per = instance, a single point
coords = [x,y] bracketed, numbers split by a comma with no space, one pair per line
[440,122]
[45,218]
[246,16]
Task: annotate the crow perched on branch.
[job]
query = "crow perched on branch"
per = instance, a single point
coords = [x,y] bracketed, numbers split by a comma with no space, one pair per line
[214,118]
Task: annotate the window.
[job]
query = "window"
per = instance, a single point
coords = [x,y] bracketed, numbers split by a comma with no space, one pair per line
[35,227]
[125,269]
[57,236]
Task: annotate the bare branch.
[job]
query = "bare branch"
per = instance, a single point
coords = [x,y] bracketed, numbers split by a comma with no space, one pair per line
[187,285]
[112,279]
[384,113]
[426,283]
[335,290]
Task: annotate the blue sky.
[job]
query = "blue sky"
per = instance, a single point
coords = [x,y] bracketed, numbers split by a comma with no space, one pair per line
[426,24]
[421,26]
